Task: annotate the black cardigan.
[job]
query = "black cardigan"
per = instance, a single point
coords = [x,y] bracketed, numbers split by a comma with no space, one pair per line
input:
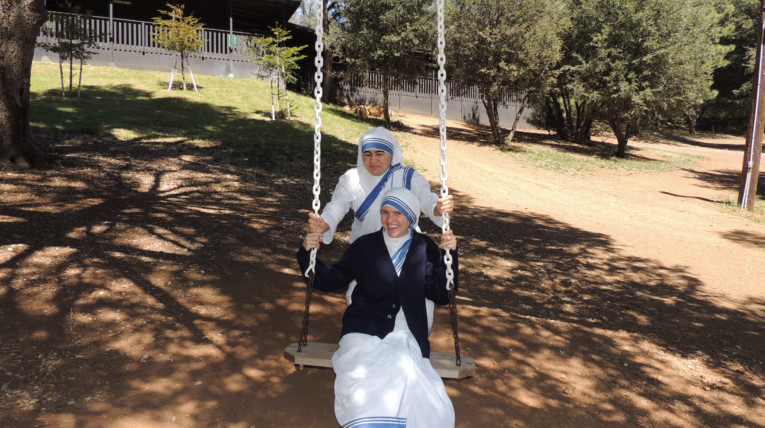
[379,293]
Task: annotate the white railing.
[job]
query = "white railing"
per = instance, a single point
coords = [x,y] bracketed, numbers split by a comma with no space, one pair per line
[125,35]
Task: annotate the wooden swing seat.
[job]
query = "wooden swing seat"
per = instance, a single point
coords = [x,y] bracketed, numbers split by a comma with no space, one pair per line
[317,354]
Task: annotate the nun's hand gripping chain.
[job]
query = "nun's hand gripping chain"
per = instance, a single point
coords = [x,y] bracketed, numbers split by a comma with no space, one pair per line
[318,78]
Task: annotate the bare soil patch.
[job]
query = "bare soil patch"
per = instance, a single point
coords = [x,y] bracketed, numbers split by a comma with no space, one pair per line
[154,285]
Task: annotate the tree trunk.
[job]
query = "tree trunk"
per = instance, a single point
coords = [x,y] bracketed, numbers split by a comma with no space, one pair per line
[61,73]
[271,79]
[581,133]
[518,115]
[71,71]
[491,111]
[19,24]
[79,80]
[692,117]
[183,69]
[616,123]
[558,118]
[569,117]
[279,95]
[386,114]
[286,97]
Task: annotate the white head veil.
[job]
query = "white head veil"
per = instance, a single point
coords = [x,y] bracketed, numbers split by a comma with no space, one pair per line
[405,201]
[381,139]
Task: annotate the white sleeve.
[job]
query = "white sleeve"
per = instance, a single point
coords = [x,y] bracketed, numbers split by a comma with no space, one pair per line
[338,207]
[428,199]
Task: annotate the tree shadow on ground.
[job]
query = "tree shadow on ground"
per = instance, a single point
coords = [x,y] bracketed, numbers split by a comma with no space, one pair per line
[552,292]
[687,196]
[744,237]
[726,179]
[691,141]
[141,262]
[156,281]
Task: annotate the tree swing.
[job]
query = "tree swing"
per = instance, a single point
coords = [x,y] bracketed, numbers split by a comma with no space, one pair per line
[450,366]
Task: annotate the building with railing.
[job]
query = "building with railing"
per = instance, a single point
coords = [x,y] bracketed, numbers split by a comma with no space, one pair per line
[129,43]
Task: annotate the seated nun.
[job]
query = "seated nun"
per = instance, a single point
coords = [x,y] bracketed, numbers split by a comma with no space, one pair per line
[383,372]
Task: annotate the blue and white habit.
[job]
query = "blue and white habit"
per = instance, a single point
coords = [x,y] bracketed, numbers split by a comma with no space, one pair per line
[383,373]
[360,191]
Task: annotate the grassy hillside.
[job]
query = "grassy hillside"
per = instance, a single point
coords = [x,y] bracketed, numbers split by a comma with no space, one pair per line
[230,117]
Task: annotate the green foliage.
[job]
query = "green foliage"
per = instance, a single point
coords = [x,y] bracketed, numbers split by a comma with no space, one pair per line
[178,33]
[392,37]
[729,111]
[279,60]
[505,46]
[634,62]
[274,55]
[384,35]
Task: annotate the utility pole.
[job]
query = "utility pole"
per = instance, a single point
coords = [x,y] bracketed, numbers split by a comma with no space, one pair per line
[750,174]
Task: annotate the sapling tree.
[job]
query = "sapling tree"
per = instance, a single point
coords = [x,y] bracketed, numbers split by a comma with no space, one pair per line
[70,38]
[280,62]
[180,34]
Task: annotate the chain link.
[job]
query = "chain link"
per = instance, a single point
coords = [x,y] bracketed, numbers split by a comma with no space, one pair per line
[444,188]
[442,133]
[318,78]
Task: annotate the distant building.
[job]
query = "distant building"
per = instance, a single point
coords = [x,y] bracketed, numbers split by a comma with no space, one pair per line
[126,28]
[246,16]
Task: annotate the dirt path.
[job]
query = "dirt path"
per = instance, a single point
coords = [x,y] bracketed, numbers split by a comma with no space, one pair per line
[147,284]
[674,217]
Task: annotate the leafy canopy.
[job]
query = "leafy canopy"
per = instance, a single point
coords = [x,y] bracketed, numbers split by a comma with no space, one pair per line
[273,54]
[177,32]
[642,59]
[70,37]
[393,37]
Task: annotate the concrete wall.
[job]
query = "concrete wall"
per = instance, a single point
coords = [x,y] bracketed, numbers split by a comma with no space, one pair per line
[163,61]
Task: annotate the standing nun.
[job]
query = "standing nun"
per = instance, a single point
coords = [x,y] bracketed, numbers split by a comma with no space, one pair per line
[382,366]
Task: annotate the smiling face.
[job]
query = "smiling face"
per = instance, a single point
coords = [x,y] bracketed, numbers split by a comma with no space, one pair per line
[396,224]
[376,162]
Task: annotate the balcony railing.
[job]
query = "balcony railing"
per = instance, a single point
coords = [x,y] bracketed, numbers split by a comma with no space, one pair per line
[125,35]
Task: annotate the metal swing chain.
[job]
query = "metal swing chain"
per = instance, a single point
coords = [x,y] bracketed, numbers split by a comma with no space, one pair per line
[318,78]
[444,175]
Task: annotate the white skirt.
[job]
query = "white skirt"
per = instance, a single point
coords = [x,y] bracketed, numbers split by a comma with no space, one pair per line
[387,383]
